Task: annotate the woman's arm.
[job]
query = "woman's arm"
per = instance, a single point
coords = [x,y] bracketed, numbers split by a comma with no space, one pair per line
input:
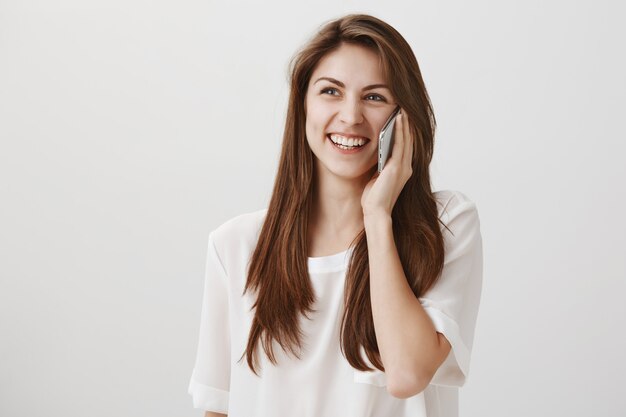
[212,414]
[410,348]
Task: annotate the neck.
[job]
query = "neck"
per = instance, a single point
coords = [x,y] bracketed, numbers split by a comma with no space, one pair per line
[336,205]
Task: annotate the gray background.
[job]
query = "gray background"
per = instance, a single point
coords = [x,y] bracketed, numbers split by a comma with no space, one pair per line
[130,129]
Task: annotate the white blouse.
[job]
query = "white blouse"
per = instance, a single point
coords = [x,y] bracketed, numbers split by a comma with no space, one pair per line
[322,383]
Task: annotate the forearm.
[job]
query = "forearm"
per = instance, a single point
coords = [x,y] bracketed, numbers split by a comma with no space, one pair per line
[405,334]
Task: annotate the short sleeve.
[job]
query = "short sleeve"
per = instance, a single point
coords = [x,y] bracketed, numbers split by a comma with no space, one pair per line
[210,379]
[452,302]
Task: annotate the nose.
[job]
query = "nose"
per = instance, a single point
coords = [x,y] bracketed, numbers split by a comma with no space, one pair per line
[351,112]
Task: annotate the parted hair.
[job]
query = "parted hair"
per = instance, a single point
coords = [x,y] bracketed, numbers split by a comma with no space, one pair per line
[277,271]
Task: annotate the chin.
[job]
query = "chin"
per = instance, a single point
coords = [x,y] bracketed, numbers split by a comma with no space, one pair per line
[352,173]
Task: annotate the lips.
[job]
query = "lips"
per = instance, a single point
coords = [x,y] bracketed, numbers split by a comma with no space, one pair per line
[348,151]
[348,135]
[363,138]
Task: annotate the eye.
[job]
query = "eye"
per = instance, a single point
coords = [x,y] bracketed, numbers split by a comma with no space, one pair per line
[379,97]
[332,90]
[328,89]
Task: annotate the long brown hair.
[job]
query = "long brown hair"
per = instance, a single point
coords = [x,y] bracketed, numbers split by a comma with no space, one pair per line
[278,268]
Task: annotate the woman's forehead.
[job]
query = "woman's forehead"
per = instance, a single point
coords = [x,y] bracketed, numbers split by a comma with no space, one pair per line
[352,65]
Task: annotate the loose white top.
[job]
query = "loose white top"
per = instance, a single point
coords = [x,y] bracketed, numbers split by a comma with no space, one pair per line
[322,383]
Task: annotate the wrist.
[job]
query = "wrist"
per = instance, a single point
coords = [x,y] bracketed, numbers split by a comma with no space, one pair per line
[376,219]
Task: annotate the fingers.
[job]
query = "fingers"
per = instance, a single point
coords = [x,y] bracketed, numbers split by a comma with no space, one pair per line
[402,152]
[398,138]
[407,156]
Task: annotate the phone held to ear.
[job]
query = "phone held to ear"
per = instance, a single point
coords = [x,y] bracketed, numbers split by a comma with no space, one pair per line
[385,139]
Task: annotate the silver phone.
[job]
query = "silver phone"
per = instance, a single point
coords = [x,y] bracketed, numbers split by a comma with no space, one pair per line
[385,139]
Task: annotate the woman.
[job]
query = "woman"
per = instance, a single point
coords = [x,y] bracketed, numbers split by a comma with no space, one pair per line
[354,293]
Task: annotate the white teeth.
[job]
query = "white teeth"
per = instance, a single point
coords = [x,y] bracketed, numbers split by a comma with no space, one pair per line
[342,140]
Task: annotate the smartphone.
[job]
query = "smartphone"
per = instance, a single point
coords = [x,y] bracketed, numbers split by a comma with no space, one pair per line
[385,139]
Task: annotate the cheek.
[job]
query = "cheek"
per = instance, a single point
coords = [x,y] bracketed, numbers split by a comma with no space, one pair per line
[317,112]
[314,122]
[378,121]
[311,130]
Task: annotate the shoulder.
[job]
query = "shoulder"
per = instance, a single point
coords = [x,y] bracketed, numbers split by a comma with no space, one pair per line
[242,223]
[244,226]
[456,209]
[239,234]
[450,201]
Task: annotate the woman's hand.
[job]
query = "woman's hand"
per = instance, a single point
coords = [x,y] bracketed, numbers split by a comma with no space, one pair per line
[382,191]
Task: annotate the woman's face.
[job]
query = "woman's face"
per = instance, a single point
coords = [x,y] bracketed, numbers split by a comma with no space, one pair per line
[347,100]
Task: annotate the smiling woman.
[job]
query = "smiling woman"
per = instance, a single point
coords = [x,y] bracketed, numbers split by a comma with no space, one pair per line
[355,293]
[346,116]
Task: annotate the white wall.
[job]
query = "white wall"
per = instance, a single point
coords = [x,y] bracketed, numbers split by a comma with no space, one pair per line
[130,129]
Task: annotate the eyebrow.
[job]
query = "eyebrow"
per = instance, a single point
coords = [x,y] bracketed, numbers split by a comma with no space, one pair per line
[342,85]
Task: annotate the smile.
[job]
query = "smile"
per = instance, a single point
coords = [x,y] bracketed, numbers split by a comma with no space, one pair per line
[344,142]
[347,145]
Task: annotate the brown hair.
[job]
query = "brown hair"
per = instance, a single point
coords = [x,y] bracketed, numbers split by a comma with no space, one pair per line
[278,271]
